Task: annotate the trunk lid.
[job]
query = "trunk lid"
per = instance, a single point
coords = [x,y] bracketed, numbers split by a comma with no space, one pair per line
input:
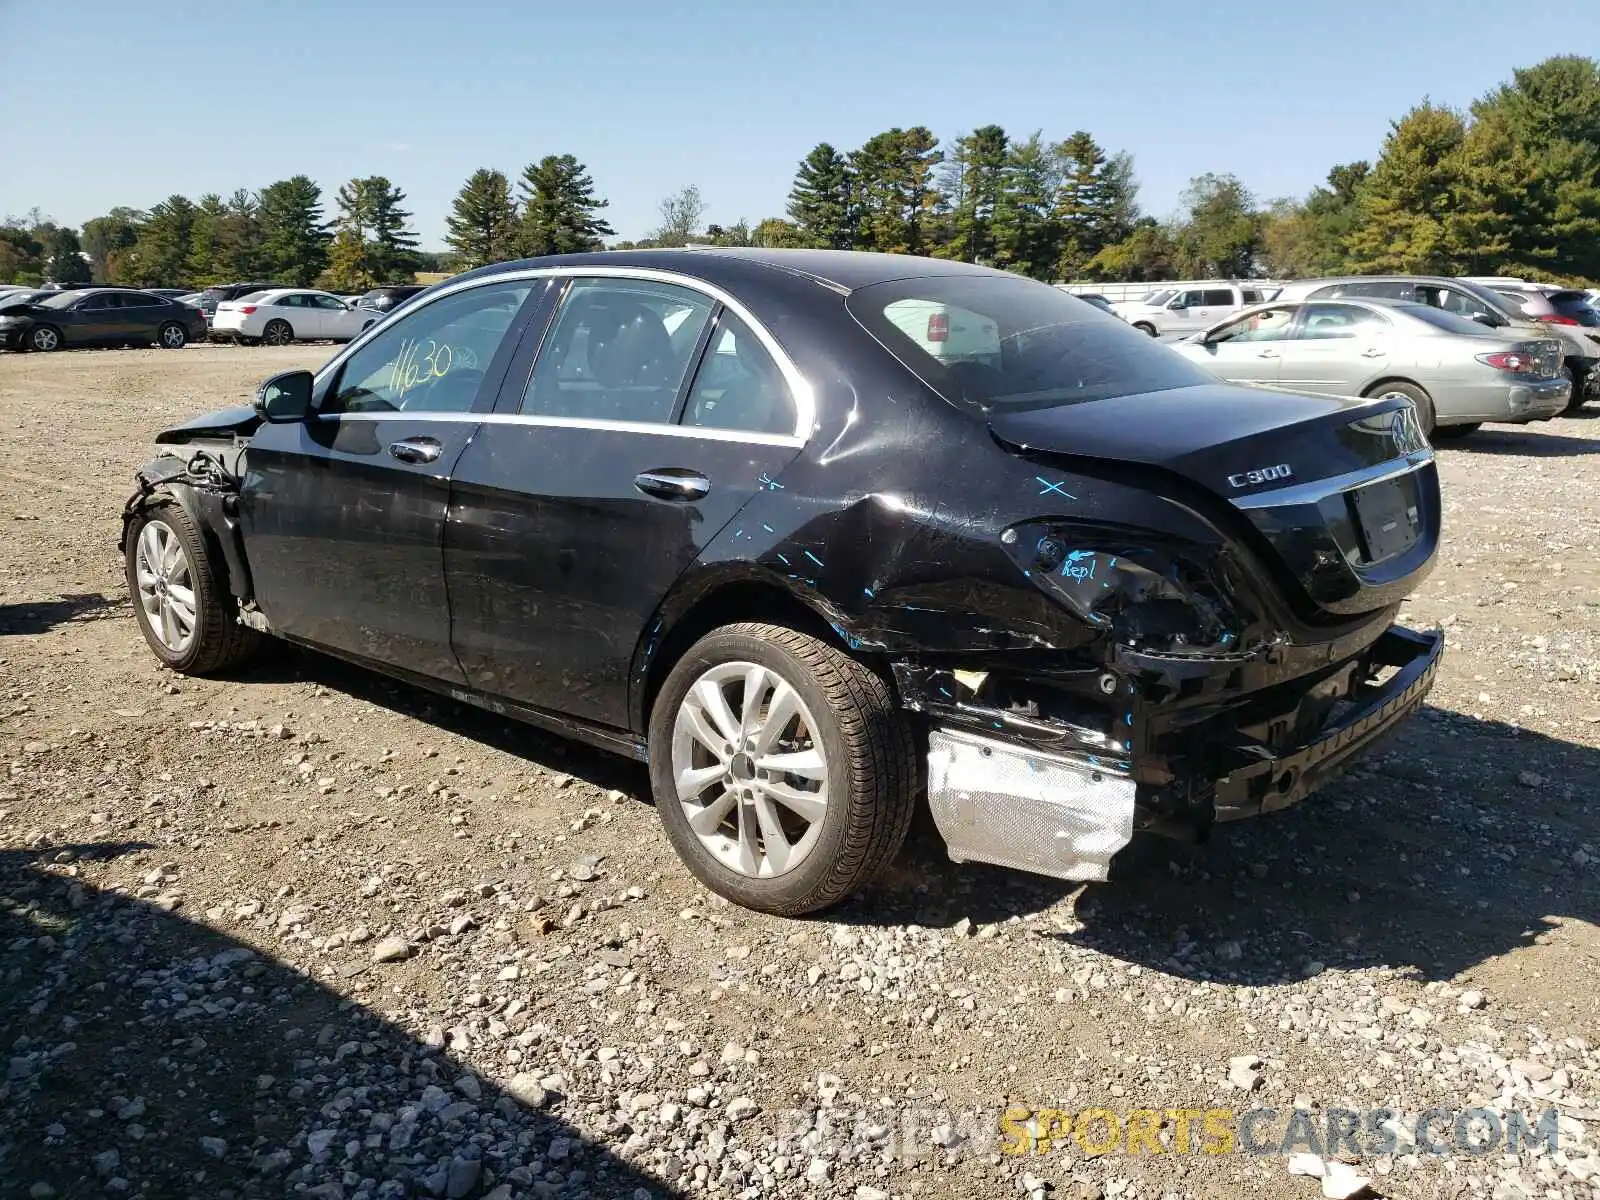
[1342,491]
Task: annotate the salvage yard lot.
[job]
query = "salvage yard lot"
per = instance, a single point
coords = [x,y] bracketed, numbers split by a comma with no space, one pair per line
[197,879]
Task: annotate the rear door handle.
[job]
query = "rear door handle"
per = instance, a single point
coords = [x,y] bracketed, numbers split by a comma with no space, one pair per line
[416,449]
[1268,354]
[672,483]
[1372,352]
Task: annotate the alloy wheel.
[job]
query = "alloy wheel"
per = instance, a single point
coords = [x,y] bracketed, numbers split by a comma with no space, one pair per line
[45,339]
[166,586]
[749,769]
[173,337]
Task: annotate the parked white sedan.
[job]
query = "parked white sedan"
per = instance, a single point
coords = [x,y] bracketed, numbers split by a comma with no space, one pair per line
[283,315]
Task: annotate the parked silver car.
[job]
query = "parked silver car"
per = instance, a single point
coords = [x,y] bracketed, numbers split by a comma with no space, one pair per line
[1458,373]
[1479,302]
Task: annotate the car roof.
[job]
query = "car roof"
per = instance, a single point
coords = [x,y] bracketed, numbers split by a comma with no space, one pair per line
[840,270]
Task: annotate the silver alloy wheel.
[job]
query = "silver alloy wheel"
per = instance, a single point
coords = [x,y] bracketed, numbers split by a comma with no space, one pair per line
[45,339]
[166,586]
[278,334]
[172,336]
[749,769]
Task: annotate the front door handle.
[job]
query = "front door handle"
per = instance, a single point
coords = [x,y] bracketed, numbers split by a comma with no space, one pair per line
[416,449]
[1372,352]
[1267,354]
[672,483]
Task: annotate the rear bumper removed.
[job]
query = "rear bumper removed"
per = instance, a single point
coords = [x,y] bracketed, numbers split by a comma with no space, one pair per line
[1005,791]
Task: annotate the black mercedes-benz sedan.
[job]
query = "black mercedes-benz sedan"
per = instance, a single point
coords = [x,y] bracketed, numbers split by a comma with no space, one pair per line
[100,317]
[817,535]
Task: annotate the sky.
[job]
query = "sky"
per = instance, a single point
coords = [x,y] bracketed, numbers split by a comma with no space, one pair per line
[109,102]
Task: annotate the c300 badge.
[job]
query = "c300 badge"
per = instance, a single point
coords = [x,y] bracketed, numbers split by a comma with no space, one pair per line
[1264,475]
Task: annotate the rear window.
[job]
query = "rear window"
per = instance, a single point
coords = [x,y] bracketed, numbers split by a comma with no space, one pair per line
[1004,342]
[1575,305]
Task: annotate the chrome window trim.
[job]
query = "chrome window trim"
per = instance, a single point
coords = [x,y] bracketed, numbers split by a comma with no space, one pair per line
[662,429]
[800,389]
[1320,489]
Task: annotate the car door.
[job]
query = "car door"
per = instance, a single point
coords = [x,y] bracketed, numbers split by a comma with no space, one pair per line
[339,320]
[1335,348]
[94,320]
[649,416]
[343,514]
[142,315]
[1248,349]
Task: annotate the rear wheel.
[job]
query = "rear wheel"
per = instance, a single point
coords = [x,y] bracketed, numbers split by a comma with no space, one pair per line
[1408,391]
[184,612]
[172,336]
[782,769]
[1579,381]
[44,338]
[277,333]
[1145,327]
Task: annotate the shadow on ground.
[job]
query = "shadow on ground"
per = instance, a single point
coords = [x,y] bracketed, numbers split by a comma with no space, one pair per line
[148,1055]
[41,616]
[1519,443]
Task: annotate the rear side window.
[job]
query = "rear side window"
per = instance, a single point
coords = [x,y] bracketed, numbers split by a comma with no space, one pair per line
[1218,298]
[1037,346]
[618,351]
[1251,296]
[1330,322]
[739,386]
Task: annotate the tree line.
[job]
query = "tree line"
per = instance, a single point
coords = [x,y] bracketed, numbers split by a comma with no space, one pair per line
[1509,186]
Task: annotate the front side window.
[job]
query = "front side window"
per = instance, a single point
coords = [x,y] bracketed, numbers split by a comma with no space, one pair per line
[1189,300]
[433,359]
[1325,322]
[1268,325]
[1041,348]
[618,351]
[328,302]
[739,386]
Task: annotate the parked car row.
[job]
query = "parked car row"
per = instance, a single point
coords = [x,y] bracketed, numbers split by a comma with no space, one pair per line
[97,317]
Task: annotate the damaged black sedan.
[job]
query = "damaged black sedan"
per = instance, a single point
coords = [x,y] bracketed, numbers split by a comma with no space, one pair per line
[815,535]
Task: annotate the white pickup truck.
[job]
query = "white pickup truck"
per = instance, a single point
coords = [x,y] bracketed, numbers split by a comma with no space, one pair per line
[1185,308]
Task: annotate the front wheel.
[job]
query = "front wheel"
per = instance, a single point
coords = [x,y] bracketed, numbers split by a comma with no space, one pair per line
[183,609]
[44,338]
[172,336]
[1145,327]
[782,769]
[277,333]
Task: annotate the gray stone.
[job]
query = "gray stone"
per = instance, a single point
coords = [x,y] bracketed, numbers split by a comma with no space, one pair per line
[391,949]
[463,1177]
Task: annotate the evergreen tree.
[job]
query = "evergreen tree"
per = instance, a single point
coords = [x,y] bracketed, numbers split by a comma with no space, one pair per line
[560,210]
[161,254]
[63,255]
[294,245]
[1147,255]
[1408,201]
[205,264]
[349,263]
[1220,233]
[1027,239]
[819,201]
[893,190]
[240,239]
[973,180]
[482,223]
[108,238]
[394,244]
[1091,205]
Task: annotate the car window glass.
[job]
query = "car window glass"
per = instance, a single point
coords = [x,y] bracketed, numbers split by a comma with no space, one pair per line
[1218,297]
[1251,296]
[1190,299]
[433,359]
[328,302]
[1268,325]
[1518,303]
[618,351]
[1326,322]
[739,385]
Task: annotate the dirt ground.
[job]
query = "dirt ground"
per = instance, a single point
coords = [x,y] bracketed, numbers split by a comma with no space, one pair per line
[310,932]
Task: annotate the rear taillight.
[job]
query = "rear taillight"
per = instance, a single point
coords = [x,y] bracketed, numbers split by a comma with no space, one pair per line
[1555,319]
[247,309]
[938,327]
[1514,361]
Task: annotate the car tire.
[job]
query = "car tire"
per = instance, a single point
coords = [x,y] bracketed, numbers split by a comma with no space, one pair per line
[1418,397]
[1579,381]
[172,336]
[1145,327]
[44,338]
[1446,432]
[167,558]
[841,730]
[277,333]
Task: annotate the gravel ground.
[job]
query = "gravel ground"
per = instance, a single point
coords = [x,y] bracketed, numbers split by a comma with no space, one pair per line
[311,933]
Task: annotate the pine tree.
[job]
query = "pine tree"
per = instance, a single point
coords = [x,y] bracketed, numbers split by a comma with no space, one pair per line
[973,180]
[893,189]
[394,244]
[560,210]
[483,220]
[1027,239]
[1408,200]
[240,253]
[819,201]
[205,262]
[349,264]
[294,234]
[161,255]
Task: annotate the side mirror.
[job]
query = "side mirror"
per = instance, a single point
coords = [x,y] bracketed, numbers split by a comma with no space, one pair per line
[1487,318]
[1177,306]
[285,398]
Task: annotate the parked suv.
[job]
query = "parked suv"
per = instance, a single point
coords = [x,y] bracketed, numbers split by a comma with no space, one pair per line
[1186,308]
[1529,314]
[213,296]
[385,298]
